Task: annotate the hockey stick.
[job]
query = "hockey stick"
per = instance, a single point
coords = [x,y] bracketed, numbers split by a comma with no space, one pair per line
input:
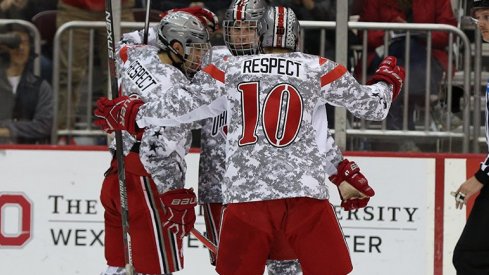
[204,240]
[146,23]
[118,140]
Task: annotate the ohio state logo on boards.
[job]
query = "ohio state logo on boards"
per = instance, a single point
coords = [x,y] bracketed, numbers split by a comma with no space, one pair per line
[22,204]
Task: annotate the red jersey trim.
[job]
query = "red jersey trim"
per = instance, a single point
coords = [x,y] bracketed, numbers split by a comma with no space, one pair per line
[214,72]
[331,76]
[123,54]
[322,60]
[240,10]
[280,26]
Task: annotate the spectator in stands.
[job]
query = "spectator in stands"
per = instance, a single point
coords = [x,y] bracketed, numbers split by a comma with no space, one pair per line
[13,9]
[162,5]
[45,9]
[409,11]
[24,9]
[26,108]
[37,6]
[471,254]
[86,10]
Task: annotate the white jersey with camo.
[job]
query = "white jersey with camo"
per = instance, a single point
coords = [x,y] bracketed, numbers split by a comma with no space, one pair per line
[212,163]
[213,150]
[277,128]
[162,149]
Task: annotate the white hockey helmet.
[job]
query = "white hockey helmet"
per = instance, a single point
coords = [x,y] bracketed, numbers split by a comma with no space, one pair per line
[188,30]
[279,28]
[240,21]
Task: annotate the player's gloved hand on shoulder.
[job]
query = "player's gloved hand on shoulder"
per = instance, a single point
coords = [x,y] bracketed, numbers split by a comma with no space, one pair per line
[179,206]
[389,72]
[207,17]
[118,114]
[352,185]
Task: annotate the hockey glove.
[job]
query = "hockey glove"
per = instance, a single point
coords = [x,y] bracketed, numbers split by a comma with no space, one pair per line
[118,114]
[207,17]
[179,205]
[389,72]
[349,172]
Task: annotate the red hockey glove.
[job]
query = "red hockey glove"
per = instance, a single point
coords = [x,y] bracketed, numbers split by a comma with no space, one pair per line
[353,204]
[350,172]
[389,72]
[207,17]
[180,210]
[118,114]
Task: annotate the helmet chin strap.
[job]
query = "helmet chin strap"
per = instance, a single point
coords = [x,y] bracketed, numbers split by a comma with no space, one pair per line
[175,62]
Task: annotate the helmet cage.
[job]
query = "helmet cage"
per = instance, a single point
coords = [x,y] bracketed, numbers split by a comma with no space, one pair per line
[239,24]
[192,59]
[241,37]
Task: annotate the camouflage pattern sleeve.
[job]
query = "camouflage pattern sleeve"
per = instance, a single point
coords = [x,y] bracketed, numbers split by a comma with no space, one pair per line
[340,88]
[212,161]
[333,156]
[325,141]
[186,104]
[162,152]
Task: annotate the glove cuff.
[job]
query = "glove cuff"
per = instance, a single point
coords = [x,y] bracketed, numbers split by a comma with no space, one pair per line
[340,174]
[335,179]
[130,118]
[379,77]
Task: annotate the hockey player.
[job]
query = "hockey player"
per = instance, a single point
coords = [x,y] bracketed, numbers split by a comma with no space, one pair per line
[154,162]
[274,184]
[471,254]
[240,37]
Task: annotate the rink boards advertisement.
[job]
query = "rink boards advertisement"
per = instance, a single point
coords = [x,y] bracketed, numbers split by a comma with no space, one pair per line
[51,219]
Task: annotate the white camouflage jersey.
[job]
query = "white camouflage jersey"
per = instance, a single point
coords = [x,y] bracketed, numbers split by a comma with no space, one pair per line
[162,149]
[212,163]
[213,140]
[277,128]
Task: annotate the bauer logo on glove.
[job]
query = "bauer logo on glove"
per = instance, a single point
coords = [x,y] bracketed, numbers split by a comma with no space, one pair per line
[179,205]
[185,201]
